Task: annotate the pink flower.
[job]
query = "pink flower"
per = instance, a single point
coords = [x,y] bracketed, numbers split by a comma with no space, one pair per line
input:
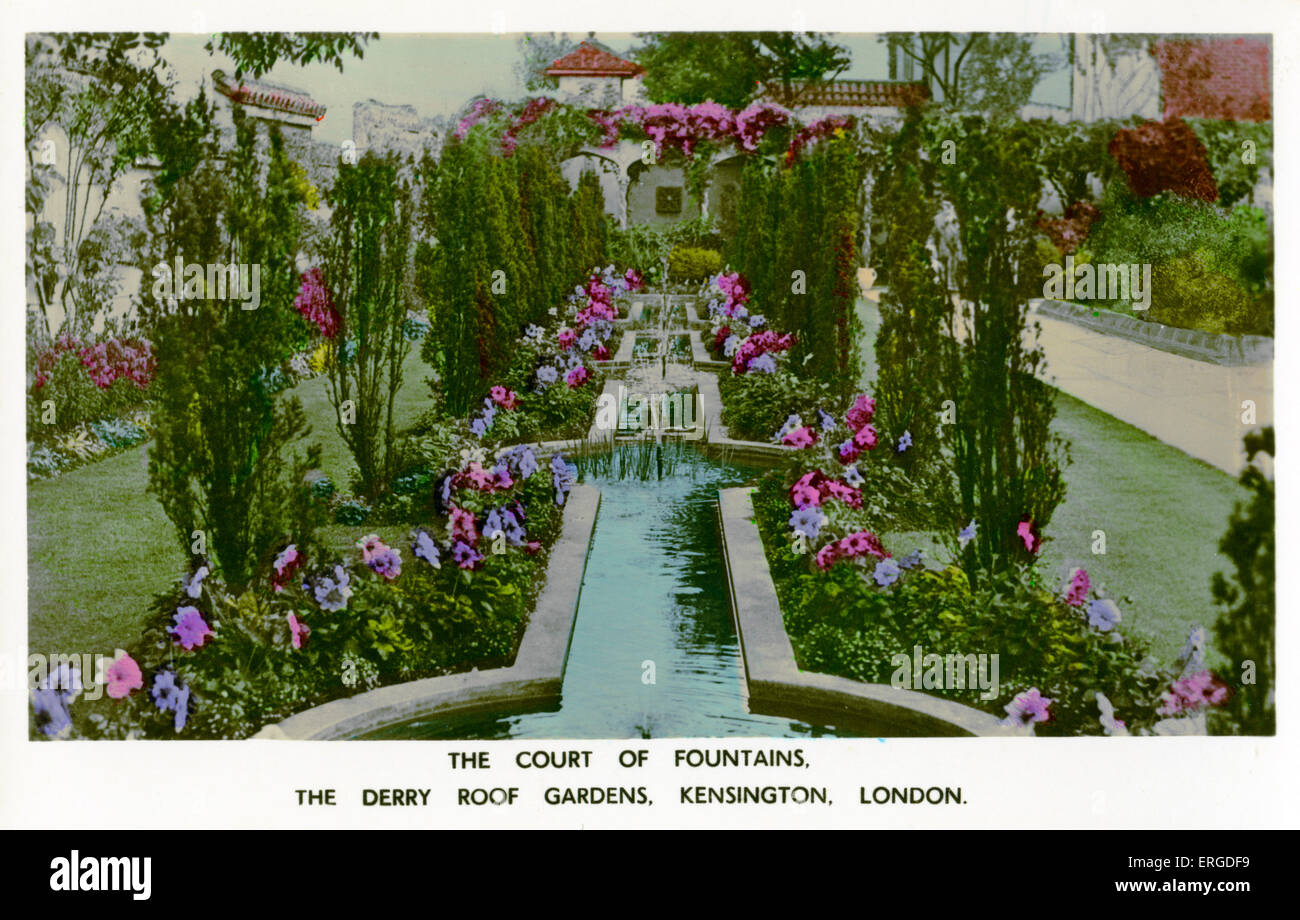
[862,543]
[863,410]
[804,495]
[567,337]
[1194,692]
[299,631]
[1030,706]
[801,437]
[369,546]
[123,676]
[865,437]
[505,398]
[463,527]
[189,628]
[577,377]
[828,555]
[1028,533]
[1077,592]
[286,563]
[848,452]
[845,493]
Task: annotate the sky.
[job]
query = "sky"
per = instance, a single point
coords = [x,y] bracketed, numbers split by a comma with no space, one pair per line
[438,73]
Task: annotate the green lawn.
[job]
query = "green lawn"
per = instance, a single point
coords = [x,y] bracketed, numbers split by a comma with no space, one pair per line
[1162,512]
[99,546]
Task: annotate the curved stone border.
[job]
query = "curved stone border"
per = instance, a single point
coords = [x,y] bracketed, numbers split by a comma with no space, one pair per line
[776,685]
[534,680]
[1212,348]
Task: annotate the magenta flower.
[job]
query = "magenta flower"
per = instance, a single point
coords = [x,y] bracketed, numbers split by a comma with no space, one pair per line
[505,398]
[865,437]
[862,543]
[299,631]
[566,338]
[189,628]
[463,527]
[1029,534]
[123,676]
[286,563]
[863,410]
[828,555]
[804,495]
[1077,592]
[577,377]
[801,437]
[1196,691]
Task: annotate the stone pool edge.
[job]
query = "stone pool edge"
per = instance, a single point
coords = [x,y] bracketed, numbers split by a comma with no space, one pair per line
[775,684]
[533,680]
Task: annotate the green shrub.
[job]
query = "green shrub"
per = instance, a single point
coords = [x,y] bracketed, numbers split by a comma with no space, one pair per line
[755,406]
[1246,628]
[1187,293]
[687,263]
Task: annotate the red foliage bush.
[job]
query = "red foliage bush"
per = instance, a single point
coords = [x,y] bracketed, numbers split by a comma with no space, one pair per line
[1226,79]
[1068,233]
[1164,156]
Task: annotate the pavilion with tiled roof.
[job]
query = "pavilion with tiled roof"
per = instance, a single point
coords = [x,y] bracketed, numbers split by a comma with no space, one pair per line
[590,60]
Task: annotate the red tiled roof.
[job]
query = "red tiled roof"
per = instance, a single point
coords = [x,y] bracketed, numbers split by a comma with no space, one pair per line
[267,96]
[857,93]
[1220,78]
[589,61]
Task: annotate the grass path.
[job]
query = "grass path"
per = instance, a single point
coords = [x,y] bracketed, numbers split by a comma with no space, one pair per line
[1162,513]
[99,546]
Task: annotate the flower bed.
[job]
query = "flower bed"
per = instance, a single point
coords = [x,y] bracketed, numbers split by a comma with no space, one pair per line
[852,608]
[218,662]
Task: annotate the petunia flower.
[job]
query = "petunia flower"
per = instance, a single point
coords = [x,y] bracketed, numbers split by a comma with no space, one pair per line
[123,676]
[967,534]
[1029,534]
[1103,614]
[1027,708]
[189,628]
[424,548]
[1076,593]
[299,631]
[886,572]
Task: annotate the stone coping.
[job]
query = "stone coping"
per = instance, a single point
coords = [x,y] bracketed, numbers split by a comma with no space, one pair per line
[776,685]
[534,680]
[1212,348]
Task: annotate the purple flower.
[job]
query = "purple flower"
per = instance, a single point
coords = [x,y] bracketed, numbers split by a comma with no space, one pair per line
[905,441]
[1027,708]
[194,583]
[755,321]
[763,364]
[51,713]
[967,534]
[424,548]
[808,520]
[827,420]
[478,427]
[386,563]
[332,593]
[465,555]
[886,572]
[189,628]
[170,696]
[911,560]
[561,477]
[547,374]
[1103,614]
[853,477]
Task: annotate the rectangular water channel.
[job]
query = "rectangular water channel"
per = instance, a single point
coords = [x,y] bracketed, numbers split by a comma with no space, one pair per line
[654,604]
